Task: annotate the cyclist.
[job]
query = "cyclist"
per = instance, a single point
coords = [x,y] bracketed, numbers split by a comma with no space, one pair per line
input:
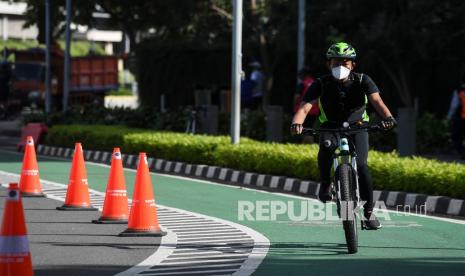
[342,97]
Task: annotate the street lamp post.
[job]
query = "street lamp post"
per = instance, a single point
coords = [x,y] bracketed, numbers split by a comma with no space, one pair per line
[48,71]
[301,35]
[236,72]
[66,71]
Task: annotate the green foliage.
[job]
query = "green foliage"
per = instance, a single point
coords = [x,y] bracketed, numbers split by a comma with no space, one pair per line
[432,134]
[82,48]
[93,137]
[176,146]
[125,77]
[35,15]
[391,38]
[252,123]
[270,158]
[95,114]
[417,174]
[78,48]
[383,141]
[389,171]
[121,91]
[18,44]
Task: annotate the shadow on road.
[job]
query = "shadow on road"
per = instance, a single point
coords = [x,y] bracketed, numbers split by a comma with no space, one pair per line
[320,259]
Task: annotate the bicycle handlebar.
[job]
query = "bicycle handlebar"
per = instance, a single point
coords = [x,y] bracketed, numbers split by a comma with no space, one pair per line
[343,129]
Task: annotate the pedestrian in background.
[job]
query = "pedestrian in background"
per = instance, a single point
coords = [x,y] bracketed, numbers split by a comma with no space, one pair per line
[456,116]
[247,86]
[257,77]
[305,78]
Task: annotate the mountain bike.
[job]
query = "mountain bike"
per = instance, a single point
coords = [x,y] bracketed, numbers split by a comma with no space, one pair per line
[345,178]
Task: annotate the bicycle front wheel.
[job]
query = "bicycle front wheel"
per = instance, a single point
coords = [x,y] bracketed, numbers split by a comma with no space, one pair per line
[348,203]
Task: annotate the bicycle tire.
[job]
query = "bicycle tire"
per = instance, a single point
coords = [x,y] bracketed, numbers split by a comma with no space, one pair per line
[349,220]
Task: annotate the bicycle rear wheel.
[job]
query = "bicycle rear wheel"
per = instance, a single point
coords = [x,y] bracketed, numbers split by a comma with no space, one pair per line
[345,175]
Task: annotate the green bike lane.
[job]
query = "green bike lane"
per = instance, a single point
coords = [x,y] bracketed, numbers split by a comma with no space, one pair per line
[405,245]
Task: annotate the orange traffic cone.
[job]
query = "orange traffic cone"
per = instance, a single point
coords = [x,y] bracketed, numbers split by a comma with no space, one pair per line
[77,195]
[15,257]
[29,184]
[143,218]
[115,206]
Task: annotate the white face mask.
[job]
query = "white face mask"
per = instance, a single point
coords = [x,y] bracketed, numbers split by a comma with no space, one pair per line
[340,72]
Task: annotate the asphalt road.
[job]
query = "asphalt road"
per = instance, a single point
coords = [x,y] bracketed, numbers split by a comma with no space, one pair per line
[66,243]
[406,245]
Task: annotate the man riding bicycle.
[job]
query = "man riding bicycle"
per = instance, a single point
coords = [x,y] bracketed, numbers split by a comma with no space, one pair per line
[342,97]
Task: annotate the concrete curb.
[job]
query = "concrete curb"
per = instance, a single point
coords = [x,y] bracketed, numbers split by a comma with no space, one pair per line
[402,201]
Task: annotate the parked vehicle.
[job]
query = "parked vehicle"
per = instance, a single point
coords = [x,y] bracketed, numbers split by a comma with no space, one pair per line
[91,77]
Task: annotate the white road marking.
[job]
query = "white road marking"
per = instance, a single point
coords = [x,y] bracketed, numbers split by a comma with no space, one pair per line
[222,248]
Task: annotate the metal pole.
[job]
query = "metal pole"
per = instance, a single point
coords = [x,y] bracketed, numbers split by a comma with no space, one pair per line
[301,35]
[5,28]
[48,89]
[67,54]
[236,72]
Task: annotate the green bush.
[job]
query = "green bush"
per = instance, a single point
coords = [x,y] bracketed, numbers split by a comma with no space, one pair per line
[417,174]
[121,91]
[94,114]
[82,48]
[176,146]
[389,171]
[270,158]
[432,134]
[92,137]
[78,48]
[252,124]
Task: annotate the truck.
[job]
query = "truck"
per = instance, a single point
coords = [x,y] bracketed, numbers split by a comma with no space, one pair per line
[90,78]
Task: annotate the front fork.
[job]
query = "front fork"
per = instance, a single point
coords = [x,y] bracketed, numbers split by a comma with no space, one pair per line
[336,191]
[357,190]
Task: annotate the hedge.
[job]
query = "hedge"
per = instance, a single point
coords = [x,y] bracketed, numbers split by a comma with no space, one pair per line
[389,172]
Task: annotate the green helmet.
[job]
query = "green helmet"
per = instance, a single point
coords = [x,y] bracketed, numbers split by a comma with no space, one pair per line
[341,50]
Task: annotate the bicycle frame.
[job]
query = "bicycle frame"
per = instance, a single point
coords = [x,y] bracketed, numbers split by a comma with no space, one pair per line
[347,157]
[345,154]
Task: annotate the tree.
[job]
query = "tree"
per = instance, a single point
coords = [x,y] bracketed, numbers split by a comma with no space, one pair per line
[411,48]
[35,14]
[397,40]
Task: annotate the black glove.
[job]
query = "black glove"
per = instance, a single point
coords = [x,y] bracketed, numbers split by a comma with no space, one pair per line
[296,128]
[388,123]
